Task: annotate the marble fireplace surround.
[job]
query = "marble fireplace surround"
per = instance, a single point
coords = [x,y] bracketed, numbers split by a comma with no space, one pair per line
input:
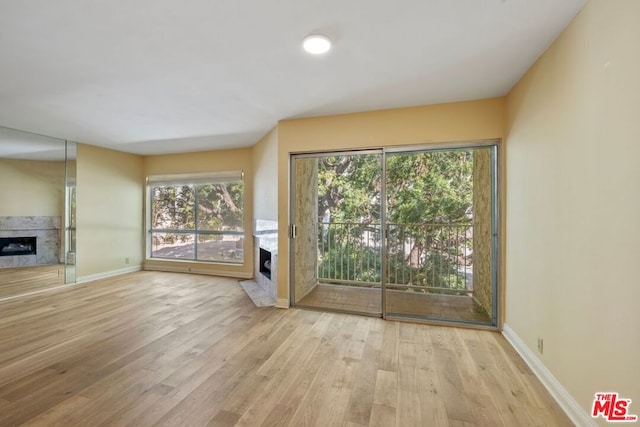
[265,233]
[46,229]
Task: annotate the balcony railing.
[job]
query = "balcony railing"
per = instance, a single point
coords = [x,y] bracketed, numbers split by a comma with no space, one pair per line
[436,258]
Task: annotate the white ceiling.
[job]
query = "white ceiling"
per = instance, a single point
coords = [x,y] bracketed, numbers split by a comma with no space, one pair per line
[15,144]
[166,76]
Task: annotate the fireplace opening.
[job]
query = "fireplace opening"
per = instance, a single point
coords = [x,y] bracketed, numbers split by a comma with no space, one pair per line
[12,246]
[265,263]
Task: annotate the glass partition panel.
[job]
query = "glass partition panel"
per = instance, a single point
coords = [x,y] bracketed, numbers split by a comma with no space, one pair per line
[402,232]
[336,256]
[33,210]
[441,230]
[70,213]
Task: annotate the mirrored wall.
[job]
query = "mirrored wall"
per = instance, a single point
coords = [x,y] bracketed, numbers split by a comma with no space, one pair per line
[37,212]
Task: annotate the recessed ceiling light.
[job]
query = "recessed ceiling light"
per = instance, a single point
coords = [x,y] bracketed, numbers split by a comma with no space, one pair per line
[316,44]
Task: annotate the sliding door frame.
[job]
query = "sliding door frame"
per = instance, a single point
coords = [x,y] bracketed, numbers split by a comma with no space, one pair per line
[292,217]
[496,297]
[496,182]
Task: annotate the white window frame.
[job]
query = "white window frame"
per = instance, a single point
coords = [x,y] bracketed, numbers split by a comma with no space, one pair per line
[195,180]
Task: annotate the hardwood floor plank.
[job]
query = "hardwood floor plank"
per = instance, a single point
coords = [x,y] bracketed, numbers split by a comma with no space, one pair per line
[382,416]
[433,411]
[432,408]
[451,382]
[22,280]
[224,419]
[280,358]
[43,398]
[25,385]
[388,359]
[361,400]
[153,348]
[291,386]
[139,406]
[120,395]
[408,411]
[407,366]
[211,392]
[386,390]
[4,404]
[58,414]
[281,399]
[312,409]
[485,412]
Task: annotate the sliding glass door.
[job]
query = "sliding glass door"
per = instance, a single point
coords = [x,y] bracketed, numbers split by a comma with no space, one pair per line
[441,230]
[337,249]
[404,233]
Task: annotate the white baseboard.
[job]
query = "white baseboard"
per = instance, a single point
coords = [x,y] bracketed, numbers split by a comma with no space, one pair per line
[282,303]
[184,269]
[105,274]
[568,404]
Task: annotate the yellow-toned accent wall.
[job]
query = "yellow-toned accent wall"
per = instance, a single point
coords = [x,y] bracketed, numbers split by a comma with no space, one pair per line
[31,188]
[573,212]
[200,162]
[108,211]
[265,177]
[462,121]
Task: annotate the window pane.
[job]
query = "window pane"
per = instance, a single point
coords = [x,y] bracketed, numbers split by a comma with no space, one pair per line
[224,248]
[172,207]
[220,207]
[173,245]
[210,211]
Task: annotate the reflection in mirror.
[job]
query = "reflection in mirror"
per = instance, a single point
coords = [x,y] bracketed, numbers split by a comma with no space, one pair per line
[70,213]
[33,212]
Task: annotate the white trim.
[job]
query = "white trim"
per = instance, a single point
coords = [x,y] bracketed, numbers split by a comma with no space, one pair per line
[568,404]
[105,274]
[193,270]
[282,303]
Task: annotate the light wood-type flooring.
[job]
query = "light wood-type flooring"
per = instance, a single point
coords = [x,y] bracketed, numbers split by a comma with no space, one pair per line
[170,349]
[368,301]
[25,280]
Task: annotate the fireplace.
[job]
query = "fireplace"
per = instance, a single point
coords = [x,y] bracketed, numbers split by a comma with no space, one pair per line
[19,236]
[12,246]
[265,255]
[265,263]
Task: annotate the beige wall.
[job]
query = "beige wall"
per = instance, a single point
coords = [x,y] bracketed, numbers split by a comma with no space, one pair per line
[463,121]
[265,177]
[31,188]
[209,161]
[108,210]
[573,212]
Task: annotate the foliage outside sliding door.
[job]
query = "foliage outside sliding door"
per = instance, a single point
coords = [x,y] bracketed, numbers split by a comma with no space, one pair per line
[349,219]
[430,220]
[420,223]
[441,239]
[197,218]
